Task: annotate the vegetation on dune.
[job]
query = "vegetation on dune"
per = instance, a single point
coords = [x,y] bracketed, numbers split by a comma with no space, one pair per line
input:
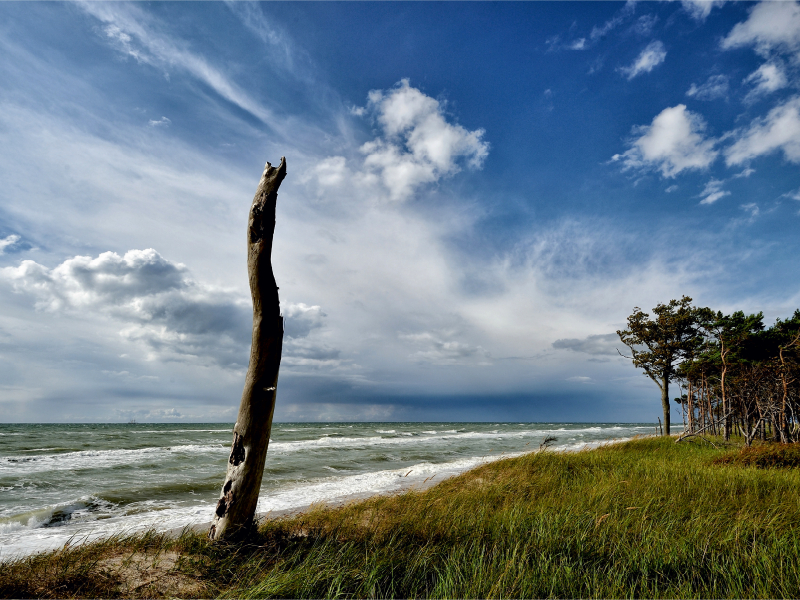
[643,518]
[736,375]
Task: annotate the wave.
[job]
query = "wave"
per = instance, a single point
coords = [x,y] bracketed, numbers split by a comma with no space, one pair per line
[138,431]
[99,459]
[450,435]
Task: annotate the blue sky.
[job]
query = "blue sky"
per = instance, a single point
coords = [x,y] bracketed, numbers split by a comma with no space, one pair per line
[478,194]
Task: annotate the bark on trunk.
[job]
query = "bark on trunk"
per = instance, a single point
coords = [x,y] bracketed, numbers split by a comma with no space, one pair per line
[235,512]
[665,403]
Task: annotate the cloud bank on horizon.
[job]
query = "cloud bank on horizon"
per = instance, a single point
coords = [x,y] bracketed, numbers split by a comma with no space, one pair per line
[469,215]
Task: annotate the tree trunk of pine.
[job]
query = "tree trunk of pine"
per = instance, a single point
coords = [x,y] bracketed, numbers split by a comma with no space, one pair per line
[665,403]
[234,515]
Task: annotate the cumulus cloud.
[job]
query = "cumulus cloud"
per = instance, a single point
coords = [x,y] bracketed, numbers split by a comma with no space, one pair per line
[417,146]
[672,143]
[159,304]
[652,56]
[770,26]
[601,344]
[715,87]
[8,242]
[768,78]
[713,191]
[778,131]
[301,319]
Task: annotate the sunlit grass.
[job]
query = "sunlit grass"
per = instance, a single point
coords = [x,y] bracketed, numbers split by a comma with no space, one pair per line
[643,518]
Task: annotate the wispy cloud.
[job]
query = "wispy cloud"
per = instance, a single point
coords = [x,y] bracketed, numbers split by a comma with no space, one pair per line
[700,9]
[652,56]
[132,33]
[778,131]
[714,87]
[713,191]
[752,208]
[768,78]
[8,242]
[162,122]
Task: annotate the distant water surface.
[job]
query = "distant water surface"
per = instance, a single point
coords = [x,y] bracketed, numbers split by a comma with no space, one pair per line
[79,482]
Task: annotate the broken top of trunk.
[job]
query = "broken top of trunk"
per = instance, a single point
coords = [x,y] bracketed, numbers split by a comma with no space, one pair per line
[234,515]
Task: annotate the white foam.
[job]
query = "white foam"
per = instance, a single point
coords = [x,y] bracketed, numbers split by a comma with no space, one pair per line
[450,435]
[98,459]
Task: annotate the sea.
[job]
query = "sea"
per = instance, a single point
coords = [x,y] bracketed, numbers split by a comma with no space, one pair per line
[71,483]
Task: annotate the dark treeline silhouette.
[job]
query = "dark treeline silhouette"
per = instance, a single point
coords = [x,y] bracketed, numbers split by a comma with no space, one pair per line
[735,375]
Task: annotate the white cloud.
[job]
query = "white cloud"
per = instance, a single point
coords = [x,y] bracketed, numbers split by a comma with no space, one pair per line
[159,305]
[614,22]
[700,9]
[644,25]
[129,30]
[715,87]
[418,145]
[768,78]
[770,26]
[713,192]
[778,131]
[579,44]
[641,27]
[162,122]
[8,242]
[752,208]
[652,56]
[672,143]
[301,319]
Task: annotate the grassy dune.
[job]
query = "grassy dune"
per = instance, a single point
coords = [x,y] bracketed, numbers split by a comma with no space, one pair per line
[644,518]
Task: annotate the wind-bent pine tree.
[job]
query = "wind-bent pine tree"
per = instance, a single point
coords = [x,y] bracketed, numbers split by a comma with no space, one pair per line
[235,512]
[658,345]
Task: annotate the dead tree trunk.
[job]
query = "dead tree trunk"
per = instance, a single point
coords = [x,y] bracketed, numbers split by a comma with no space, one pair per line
[234,515]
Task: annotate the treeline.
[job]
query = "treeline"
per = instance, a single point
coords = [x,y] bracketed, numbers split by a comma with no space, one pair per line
[736,375]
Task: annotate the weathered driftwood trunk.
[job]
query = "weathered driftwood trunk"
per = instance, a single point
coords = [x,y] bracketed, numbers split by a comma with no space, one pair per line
[235,511]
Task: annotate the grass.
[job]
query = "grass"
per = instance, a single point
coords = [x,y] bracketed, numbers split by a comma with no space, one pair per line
[645,518]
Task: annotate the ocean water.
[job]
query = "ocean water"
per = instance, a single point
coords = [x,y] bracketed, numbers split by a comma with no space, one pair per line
[72,483]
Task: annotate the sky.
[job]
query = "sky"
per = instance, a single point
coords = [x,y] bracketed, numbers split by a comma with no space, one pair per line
[478,195]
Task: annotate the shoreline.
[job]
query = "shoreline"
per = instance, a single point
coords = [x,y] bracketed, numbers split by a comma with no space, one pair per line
[274,515]
[275,504]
